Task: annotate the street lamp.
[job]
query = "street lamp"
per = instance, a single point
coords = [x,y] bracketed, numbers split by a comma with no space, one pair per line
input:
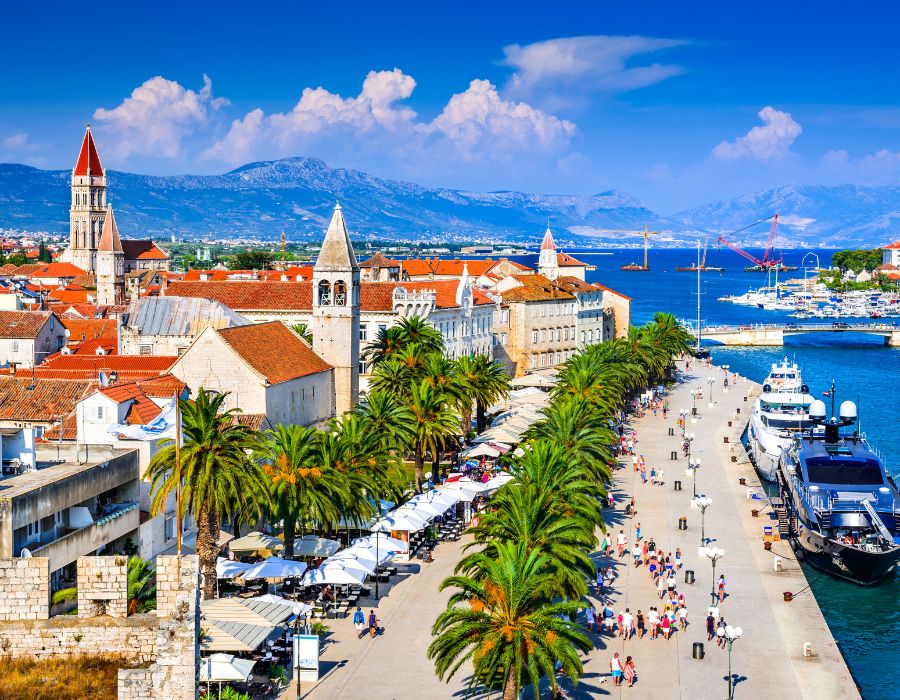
[702,502]
[713,554]
[694,394]
[694,465]
[688,439]
[732,634]
[711,381]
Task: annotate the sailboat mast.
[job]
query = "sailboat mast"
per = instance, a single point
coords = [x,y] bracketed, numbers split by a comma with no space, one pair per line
[699,332]
[646,245]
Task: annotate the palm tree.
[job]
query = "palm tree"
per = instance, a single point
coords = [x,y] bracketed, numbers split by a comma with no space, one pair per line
[382,348]
[391,378]
[141,586]
[486,382]
[303,331]
[506,624]
[216,473]
[416,330]
[300,488]
[390,419]
[434,423]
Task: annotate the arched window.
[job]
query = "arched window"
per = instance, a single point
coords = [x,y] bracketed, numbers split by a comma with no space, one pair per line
[324,293]
[340,293]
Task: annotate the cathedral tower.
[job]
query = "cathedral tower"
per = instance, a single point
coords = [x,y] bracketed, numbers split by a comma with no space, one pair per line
[110,264]
[335,306]
[548,263]
[88,206]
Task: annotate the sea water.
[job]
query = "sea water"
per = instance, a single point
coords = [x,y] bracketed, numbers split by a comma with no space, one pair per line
[864,621]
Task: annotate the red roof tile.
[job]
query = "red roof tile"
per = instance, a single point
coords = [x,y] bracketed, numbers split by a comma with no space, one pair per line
[87,366]
[57,269]
[892,246]
[45,400]
[89,328]
[566,260]
[23,324]
[295,273]
[142,250]
[88,161]
[612,291]
[273,350]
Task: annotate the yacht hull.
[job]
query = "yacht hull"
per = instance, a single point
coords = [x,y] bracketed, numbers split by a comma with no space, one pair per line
[844,561]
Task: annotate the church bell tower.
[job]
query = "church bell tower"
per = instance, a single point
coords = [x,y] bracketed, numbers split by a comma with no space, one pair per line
[88,208]
[110,264]
[335,307]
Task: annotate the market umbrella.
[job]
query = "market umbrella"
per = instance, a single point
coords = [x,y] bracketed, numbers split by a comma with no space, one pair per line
[335,575]
[427,509]
[227,568]
[275,567]
[482,450]
[379,553]
[315,546]
[255,542]
[384,542]
[224,668]
[360,567]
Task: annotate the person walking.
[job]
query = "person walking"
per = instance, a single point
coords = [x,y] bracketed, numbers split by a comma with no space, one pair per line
[615,669]
[629,671]
[373,624]
[653,617]
[720,633]
[621,541]
[721,587]
[661,587]
[636,551]
[644,476]
[601,572]
[641,625]
[637,532]
[359,622]
[666,626]
[589,618]
[653,476]
[628,624]
[682,617]
[710,627]
[645,551]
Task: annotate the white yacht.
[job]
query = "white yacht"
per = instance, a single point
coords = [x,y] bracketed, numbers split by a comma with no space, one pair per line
[779,414]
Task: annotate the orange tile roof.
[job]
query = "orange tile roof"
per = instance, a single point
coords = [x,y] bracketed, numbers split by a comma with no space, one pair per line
[379,260]
[89,328]
[273,350]
[892,246]
[57,269]
[295,273]
[28,269]
[88,161]
[142,250]
[109,346]
[612,291]
[68,296]
[23,324]
[46,400]
[88,366]
[566,260]
[535,288]
[419,267]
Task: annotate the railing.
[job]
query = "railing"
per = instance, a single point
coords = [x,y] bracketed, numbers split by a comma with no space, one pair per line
[793,327]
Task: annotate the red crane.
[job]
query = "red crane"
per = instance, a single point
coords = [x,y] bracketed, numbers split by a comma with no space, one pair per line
[768,259]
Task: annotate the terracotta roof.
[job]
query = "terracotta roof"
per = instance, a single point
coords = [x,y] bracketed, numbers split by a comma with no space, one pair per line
[295,273]
[419,267]
[892,246]
[574,284]
[887,267]
[56,269]
[254,421]
[142,250]
[547,243]
[535,288]
[8,270]
[110,242]
[89,328]
[68,296]
[69,429]
[379,260]
[82,311]
[87,366]
[85,280]
[566,260]
[88,161]
[46,400]
[273,350]
[28,269]
[92,346]
[23,324]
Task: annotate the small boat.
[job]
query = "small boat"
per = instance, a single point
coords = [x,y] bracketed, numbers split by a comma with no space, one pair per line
[634,267]
[703,268]
[840,504]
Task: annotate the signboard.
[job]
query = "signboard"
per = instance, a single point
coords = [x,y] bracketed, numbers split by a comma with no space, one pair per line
[306,657]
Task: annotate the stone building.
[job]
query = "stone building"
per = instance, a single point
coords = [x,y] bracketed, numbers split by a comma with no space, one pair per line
[27,338]
[110,262]
[335,311]
[553,264]
[267,370]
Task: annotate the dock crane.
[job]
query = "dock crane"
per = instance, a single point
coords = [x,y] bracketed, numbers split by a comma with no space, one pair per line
[768,260]
[646,233]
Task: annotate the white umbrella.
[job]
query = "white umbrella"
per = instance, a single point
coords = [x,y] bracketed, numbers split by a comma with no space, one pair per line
[370,553]
[275,567]
[427,509]
[440,497]
[384,542]
[389,523]
[315,546]
[410,513]
[335,575]
[463,494]
[226,568]
[254,542]
[225,667]
[297,608]
[361,567]
[498,481]
[482,450]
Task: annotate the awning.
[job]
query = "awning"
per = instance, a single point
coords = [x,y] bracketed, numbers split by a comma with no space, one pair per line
[234,636]
[248,611]
[226,568]
[481,450]
[225,667]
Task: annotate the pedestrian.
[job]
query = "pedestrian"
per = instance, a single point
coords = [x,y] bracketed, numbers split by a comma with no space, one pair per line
[359,622]
[721,587]
[666,626]
[651,545]
[644,476]
[682,617]
[645,550]
[373,624]
[641,625]
[589,618]
[628,622]
[653,566]
[634,462]
[710,626]
[612,500]
[600,574]
[671,582]
[652,476]
[678,561]
[629,671]
[620,620]
[653,618]
[605,544]
[720,633]
[636,552]
[661,587]
[637,532]
[615,669]
[621,540]
[659,477]
[633,507]
[608,619]
[631,447]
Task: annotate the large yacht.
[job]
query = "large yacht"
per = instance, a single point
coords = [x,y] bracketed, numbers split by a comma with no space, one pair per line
[780,412]
[840,503]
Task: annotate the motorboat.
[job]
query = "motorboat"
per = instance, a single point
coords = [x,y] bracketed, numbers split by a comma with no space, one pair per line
[785,377]
[840,505]
[776,420]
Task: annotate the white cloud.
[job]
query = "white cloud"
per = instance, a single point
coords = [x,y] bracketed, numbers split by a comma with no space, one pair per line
[475,125]
[764,143]
[19,147]
[158,116]
[585,63]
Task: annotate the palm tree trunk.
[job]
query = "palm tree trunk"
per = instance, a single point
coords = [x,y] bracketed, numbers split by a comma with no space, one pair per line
[510,687]
[480,419]
[290,530]
[207,535]
[420,465]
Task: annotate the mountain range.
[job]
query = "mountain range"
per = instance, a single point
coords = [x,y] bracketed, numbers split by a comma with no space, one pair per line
[296,195]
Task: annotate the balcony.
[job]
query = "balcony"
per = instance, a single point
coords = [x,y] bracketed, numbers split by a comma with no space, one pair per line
[116,521]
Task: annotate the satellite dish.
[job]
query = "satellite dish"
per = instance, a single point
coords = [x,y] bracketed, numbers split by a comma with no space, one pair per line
[848,411]
[25,553]
[817,410]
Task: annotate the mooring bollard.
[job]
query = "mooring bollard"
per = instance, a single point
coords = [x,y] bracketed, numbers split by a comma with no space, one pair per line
[682,523]
[674,455]
[677,485]
[671,431]
[738,411]
[698,652]
[725,438]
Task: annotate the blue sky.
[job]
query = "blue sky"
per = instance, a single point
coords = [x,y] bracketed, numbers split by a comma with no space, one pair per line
[674,103]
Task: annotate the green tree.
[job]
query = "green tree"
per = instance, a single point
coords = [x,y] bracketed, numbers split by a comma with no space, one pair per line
[43,253]
[141,586]
[251,260]
[434,424]
[303,331]
[485,382]
[504,622]
[216,473]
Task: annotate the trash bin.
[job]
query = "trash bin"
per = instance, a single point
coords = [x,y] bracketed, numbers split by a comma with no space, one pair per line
[677,485]
[671,431]
[699,653]
[673,455]
[738,410]
[725,439]
[682,523]
[689,576]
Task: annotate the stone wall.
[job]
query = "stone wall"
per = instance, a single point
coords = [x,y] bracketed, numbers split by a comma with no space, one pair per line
[103,586]
[24,589]
[135,637]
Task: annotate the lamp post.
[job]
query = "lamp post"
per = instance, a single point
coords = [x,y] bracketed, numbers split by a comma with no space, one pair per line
[713,554]
[689,439]
[702,503]
[694,394]
[711,381]
[732,634]
[694,465]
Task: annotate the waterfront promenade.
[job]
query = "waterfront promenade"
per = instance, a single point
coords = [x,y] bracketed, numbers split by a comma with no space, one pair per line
[768,661]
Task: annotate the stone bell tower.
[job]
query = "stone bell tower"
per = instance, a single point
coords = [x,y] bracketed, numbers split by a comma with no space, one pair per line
[110,264]
[548,264]
[335,307]
[88,208]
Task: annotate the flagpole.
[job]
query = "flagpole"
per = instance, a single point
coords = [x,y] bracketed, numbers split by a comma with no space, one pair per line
[178,469]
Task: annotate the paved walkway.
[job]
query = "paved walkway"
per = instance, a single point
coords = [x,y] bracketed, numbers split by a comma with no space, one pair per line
[767,661]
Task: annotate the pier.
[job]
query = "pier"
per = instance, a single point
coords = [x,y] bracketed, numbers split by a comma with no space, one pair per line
[771,334]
